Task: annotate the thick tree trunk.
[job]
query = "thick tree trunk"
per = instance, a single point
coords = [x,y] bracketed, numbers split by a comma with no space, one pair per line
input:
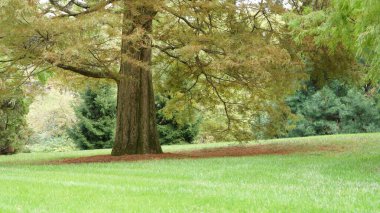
[136,131]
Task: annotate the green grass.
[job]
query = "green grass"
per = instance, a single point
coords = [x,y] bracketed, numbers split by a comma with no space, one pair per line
[346,181]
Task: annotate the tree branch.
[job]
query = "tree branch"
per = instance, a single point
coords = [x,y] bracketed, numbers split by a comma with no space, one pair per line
[226,111]
[88,9]
[87,73]
[165,50]
[174,13]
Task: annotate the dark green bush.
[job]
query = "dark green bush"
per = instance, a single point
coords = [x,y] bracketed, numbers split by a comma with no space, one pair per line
[13,127]
[96,119]
[334,109]
[171,132]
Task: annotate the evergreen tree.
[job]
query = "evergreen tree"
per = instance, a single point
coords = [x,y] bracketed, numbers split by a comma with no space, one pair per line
[13,127]
[171,131]
[334,109]
[96,119]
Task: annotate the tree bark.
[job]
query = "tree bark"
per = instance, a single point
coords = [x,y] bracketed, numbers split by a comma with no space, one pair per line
[136,130]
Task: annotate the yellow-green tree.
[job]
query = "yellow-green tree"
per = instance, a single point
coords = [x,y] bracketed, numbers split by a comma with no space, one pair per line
[342,35]
[225,57]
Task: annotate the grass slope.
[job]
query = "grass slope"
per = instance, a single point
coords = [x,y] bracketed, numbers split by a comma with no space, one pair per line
[346,181]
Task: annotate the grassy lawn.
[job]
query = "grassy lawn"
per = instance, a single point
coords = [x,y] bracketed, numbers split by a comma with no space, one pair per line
[346,181]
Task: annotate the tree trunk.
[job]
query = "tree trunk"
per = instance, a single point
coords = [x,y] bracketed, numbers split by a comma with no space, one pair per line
[136,130]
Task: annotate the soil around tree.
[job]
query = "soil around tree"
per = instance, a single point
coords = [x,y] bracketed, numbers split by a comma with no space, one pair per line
[232,151]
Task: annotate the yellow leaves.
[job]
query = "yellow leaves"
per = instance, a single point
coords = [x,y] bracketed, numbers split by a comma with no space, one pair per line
[134,62]
[243,71]
[214,60]
[179,108]
[112,32]
[136,36]
[189,51]
[2,85]
[71,52]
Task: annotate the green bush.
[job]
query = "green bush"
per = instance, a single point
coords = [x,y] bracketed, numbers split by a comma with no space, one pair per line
[43,143]
[334,109]
[169,130]
[13,126]
[96,119]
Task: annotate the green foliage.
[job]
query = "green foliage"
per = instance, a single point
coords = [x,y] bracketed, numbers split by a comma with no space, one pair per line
[207,53]
[97,115]
[270,125]
[355,24]
[327,38]
[44,76]
[49,117]
[96,119]
[13,127]
[170,130]
[348,26]
[41,143]
[229,73]
[336,108]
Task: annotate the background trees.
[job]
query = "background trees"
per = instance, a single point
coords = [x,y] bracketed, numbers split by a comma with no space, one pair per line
[334,38]
[336,108]
[49,117]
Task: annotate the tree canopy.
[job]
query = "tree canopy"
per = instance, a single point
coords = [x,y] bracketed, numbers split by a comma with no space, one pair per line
[347,29]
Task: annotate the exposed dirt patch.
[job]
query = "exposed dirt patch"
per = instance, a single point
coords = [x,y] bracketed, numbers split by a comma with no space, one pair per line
[233,151]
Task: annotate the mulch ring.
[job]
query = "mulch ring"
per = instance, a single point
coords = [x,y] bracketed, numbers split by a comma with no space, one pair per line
[232,151]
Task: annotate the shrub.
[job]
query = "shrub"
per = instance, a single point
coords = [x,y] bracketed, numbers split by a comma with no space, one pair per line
[43,143]
[96,118]
[334,109]
[169,130]
[13,126]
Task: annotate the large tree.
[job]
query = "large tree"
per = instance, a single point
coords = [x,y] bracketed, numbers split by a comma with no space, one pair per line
[221,56]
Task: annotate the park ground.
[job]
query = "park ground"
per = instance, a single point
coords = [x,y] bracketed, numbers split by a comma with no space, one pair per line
[339,173]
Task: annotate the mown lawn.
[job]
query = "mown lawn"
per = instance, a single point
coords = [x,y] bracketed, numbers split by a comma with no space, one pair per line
[334,181]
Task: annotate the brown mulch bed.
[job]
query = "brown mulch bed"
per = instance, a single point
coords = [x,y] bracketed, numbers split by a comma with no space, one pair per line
[233,151]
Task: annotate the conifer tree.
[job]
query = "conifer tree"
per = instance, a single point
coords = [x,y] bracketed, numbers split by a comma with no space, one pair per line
[96,119]
[13,128]
[96,116]
[170,130]
[335,109]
